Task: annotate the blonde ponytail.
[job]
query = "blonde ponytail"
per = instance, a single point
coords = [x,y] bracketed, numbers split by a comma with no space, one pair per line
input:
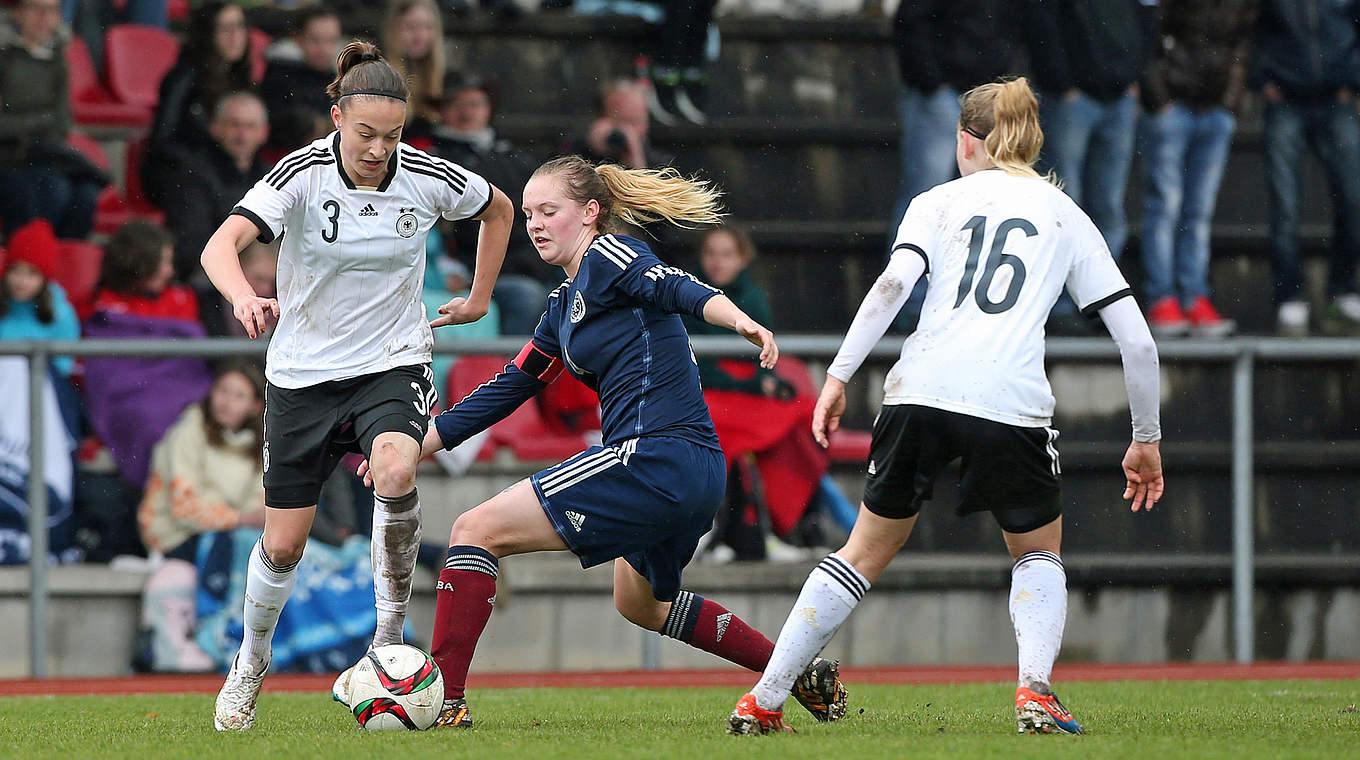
[1006,114]
[637,196]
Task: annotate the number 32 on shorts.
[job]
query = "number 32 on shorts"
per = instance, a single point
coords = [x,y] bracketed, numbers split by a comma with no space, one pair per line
[426,396]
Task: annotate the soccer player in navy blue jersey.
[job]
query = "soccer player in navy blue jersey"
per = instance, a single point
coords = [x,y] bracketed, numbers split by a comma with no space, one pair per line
[647,494]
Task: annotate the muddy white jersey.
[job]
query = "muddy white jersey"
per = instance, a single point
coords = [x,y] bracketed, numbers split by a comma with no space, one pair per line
[352,259]
[999,249]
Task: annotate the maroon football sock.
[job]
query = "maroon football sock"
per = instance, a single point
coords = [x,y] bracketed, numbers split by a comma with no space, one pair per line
[705,624]
[464,596]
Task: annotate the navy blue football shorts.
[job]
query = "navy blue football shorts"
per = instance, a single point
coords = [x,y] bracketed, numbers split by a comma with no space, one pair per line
[648,500]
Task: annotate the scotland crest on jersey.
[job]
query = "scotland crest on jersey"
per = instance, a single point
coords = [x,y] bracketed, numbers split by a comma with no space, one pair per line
[578,308]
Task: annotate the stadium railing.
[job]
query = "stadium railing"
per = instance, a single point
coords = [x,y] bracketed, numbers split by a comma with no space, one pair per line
[1242,354]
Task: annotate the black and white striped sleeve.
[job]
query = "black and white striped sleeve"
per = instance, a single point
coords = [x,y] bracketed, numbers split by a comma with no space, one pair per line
[269,201]
[461,194]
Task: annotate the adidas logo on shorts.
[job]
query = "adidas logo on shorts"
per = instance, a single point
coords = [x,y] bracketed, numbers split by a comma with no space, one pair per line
[368,210]
[873,469]
[576,519]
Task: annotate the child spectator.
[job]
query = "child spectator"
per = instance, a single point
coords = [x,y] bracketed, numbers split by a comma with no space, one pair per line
[32,305]
[205,477]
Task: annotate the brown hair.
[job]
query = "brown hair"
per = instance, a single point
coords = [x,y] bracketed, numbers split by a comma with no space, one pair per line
[637,196]
[132,255]
[361,71]
[426,75]
[1005,115]
[255,424]
[746,248]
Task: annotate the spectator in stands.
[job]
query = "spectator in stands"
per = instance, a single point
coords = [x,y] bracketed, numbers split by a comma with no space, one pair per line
[210,179]
[679,85]
[622,122]
[214,61]
[44,178]
[413,40]
[1088,57]
[1195,78]
[136,298]
[1307,66]
[205,477]
[466,137]
[294,91]
[32,305]
[770,434]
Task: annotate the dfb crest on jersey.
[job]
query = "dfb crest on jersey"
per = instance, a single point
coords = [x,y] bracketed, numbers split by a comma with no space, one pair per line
[406,223]
[578,308]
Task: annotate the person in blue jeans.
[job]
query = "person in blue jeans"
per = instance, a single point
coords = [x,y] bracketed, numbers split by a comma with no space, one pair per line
[1194,79]
[1088,58]
[944,47]
[1307,67]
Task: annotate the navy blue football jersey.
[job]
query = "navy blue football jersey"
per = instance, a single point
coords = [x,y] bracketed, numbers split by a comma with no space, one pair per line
[614,327]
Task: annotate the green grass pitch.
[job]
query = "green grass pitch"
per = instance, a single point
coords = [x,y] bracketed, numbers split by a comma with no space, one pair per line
[1195,719]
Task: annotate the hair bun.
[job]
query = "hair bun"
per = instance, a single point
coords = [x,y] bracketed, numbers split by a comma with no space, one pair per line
[364,57]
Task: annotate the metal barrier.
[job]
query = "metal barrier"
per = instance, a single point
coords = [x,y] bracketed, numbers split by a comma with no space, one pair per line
[1241,353]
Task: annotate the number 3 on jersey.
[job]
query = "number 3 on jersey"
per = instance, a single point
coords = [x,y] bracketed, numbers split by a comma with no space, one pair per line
[996,258]
[332,210]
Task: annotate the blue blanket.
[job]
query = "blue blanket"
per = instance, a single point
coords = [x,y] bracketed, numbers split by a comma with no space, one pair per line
[328,621]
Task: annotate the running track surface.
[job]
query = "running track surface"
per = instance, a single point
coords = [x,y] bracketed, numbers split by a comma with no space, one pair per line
[209,684]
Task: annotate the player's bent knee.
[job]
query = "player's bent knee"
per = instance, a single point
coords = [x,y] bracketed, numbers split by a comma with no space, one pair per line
[394,476]
[283,550]
[474,528]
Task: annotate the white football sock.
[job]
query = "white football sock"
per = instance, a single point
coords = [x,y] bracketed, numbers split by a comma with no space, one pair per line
[829,595]
[267,589]
[396,540]
[1038,608]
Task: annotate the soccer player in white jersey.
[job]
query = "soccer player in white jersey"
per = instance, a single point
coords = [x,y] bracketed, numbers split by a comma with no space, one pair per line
[349,363]
[997,247]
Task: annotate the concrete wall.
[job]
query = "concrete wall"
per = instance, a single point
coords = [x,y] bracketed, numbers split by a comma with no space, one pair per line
[552,616]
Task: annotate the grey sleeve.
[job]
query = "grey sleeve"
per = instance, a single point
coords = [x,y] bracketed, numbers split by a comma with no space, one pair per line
[1142,372]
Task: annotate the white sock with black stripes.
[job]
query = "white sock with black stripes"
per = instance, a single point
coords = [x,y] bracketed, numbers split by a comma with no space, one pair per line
[396,541]
[1038,608]
[267,589]
[829,595]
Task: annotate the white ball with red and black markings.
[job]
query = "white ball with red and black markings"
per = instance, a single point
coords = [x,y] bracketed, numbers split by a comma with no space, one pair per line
[396,687]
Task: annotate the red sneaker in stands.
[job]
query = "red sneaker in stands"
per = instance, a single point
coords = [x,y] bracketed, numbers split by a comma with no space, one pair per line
[1166,319]
[1206,322]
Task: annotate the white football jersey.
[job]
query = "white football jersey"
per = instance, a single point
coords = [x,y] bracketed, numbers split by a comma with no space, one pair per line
[352,260]
[998,249]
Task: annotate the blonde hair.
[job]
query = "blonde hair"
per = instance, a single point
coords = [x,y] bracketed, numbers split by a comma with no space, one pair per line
[425,76]
[637,196]
[1005,115]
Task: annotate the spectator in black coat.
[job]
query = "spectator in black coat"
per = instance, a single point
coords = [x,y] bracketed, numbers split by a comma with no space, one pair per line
[214,61]
[294,91]
[212,180]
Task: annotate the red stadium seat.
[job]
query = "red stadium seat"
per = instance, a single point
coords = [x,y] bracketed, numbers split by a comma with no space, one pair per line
[113,209]
[524,432]
[91,104]
[136,59]
[845,446]
[79,272]
[259,40]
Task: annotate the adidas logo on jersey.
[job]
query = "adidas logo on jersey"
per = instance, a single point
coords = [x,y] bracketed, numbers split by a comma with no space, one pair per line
[368,210]
[873,468]
[576,519]
[723,621]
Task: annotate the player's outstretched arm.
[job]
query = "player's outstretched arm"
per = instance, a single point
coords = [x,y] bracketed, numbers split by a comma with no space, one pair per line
[492,239]
[719,310]
[221,260]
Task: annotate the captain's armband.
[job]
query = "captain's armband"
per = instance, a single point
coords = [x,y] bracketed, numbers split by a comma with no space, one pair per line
[534,363]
